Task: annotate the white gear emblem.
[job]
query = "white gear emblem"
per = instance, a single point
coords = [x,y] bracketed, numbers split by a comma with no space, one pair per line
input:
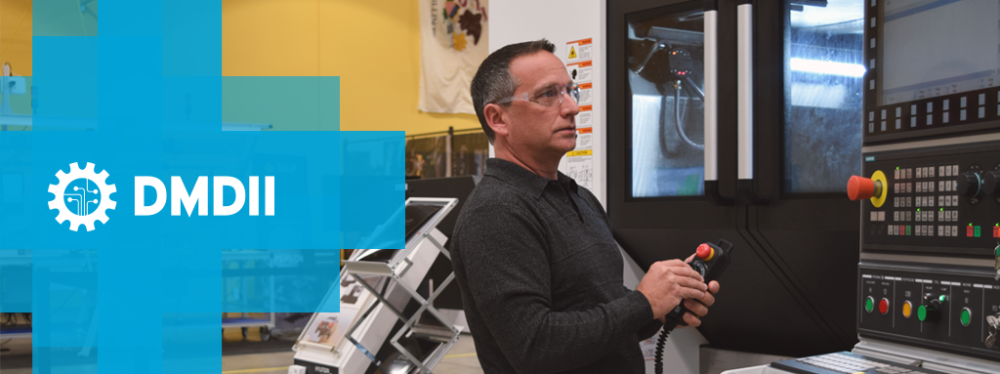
[60,203]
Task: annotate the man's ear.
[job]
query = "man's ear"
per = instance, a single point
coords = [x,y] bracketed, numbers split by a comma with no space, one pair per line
[496,118]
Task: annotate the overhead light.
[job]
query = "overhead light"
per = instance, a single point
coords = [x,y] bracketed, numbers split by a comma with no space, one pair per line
[827,67]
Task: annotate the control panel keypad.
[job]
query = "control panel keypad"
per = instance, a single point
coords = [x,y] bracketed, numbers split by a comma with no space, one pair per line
[947,196]
[943,308]
[929,189]
[948,231]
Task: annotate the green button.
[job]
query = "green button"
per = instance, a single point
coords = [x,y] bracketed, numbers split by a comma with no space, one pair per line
[869,305]
[922,313]
[907,230]
[966,317]
[977,231]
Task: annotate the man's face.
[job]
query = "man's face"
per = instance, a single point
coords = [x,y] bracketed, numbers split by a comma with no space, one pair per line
[535,129]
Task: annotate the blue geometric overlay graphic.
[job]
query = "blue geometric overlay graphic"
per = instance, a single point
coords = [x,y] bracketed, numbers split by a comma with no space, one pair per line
[207,215]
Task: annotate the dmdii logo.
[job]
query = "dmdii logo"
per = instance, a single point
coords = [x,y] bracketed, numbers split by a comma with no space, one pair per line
[82,197]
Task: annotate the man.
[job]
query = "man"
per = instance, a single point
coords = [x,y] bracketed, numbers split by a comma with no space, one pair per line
[540,274]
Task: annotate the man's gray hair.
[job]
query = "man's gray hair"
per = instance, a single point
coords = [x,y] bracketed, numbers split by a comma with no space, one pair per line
[493,81]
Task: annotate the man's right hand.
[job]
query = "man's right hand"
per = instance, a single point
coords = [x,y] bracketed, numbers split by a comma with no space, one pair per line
[668,283]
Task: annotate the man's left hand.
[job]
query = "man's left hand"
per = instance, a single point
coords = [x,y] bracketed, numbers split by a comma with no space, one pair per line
[698,308]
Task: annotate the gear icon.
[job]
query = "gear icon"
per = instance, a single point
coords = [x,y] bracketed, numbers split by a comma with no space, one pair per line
[60,203]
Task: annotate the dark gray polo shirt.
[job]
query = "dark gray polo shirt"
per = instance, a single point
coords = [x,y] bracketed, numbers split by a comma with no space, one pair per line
[541,278]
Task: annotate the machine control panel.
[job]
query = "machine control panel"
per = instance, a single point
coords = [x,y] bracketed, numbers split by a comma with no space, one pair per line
[943,200]
[906,99]
[939,308]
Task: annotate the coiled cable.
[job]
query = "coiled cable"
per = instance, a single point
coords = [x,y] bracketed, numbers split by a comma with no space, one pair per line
[660,344]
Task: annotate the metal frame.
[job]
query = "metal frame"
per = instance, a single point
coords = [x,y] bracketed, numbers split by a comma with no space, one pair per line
[395,269]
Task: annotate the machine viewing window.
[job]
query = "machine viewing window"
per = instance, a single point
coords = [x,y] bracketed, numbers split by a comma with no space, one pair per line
[923,62]
[822,135]
[665,101]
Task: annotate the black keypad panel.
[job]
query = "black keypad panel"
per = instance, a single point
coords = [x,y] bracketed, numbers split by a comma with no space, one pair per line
[937,200]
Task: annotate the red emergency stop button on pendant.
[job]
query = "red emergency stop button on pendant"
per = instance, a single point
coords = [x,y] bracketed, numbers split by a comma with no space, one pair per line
[860,188]
[705,252]
[883,306]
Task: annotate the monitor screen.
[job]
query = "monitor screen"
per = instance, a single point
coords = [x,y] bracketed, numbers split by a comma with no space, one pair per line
[417,215]
[938,47]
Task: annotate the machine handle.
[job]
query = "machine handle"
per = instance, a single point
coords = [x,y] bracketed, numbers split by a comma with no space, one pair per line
[711,100]
[744,52]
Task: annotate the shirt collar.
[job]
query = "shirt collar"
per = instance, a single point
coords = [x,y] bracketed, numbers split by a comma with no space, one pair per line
[523,178]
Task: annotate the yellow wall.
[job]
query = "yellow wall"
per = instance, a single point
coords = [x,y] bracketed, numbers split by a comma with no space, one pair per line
[374,47]
[15,35]
[15,48]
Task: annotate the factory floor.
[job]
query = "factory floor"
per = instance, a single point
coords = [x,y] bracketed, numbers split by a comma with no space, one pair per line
[461,359]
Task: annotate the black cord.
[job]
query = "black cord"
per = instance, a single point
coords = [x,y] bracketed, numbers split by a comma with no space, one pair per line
[660,344]
[668,326]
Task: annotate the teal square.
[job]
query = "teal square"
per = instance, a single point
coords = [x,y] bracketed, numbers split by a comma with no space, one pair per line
[64,18]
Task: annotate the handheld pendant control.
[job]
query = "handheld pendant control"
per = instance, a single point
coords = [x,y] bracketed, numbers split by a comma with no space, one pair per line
[710,261]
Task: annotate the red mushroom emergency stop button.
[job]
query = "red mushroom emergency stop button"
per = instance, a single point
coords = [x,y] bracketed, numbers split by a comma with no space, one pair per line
[860,188]
[873,188]
[705,252]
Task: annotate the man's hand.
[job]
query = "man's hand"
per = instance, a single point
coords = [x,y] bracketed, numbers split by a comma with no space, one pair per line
[698,308]
[668,283]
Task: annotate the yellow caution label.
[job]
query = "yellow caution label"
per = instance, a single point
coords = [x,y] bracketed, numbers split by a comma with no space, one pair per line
[587,152]
[572,52]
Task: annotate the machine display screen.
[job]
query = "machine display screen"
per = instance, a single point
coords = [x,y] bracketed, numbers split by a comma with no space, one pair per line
[938,47]
[665,77]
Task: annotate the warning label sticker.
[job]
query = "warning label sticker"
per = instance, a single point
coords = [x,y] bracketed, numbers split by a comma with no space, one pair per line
[586,116]
[586,94]
[582,49]
[580,72]
[580,167]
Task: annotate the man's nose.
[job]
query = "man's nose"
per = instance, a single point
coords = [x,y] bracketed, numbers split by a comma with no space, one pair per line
[569,106]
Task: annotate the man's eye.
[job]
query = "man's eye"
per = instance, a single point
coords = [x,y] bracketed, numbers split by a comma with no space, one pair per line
[549,93]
